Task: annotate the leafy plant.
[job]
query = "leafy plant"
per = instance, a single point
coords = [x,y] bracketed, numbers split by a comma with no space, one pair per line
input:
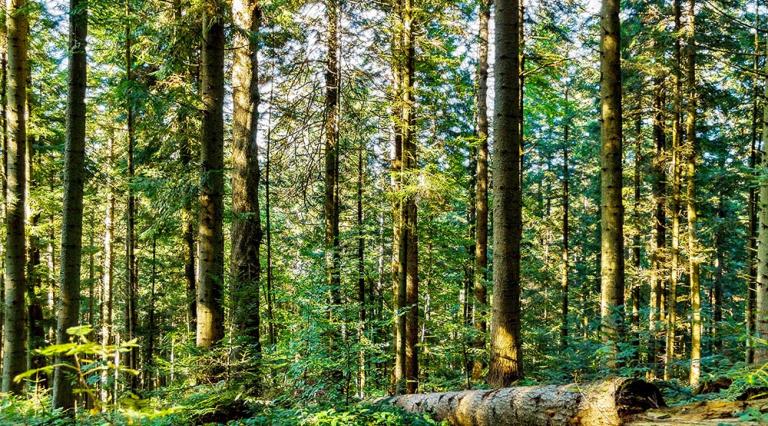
[86,359]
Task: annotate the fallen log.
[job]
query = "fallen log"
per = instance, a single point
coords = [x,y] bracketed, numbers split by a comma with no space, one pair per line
[608,403]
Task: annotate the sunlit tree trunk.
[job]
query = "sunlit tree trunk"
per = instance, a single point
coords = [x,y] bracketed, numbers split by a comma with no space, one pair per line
[268,230]
[611,208]
[505,345]
[331,201]
[564,281]
[132,282]
[210,309]
[761,306]
[72,223]
[107,269]
[15,330]
[410,170]
[636,241]
[406,266]
[34,281]
[4,126]
[149,356]
[749,353]
[658,274]
[693,261]
[481,190]
[246,222]
[185,158]
[364,307]
[677,135]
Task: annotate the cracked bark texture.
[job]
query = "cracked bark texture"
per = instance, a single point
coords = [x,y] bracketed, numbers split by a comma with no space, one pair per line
[608,402]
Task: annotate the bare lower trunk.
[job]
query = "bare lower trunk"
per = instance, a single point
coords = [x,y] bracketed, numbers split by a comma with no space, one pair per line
[246,223]
[693,261]
[210,309]
[14,329]
[611,208]
[659,228]
[72,226]
[761,306]
[107,272]
[505,345]
[481,192]
[675,205]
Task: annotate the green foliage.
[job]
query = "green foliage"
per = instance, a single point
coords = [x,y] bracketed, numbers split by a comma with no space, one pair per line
[88,362]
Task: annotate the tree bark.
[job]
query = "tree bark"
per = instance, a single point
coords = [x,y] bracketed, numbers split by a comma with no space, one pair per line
[636,242]
[607,402]
[210,309]
[611,208]
[365,307]
[405,268]
[659,229]
[107,269]
[481,191]
[749,352]
[268,220]
[693,260]
[761,305]
[246,223]
[506,352]
[132,283]
[564,282]
[14,330]
[677,135]
[331,201]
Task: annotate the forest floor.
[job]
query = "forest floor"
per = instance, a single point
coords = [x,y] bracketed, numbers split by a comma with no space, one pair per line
[714,412]
[740,402]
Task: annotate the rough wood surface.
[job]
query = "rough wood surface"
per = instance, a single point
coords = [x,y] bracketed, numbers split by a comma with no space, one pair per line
[603,403]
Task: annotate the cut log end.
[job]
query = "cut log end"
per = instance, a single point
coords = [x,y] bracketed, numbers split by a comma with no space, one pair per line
[635,396]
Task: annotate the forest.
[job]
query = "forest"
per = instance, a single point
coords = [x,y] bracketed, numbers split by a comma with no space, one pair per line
[396,212]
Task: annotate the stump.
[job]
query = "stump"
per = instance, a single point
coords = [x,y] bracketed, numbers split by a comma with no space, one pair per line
[608,402]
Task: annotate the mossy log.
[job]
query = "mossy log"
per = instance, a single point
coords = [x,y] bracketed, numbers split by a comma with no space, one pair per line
[608,402]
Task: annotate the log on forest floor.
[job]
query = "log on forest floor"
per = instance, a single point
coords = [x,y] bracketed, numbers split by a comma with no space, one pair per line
[609,402]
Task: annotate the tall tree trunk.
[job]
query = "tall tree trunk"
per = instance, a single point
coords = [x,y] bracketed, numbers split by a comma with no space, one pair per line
[405,268]
[716,339]
[611,208]
[761,305]
[564,282]
[107,269]
[34,281]
[636,249]
[660,229]
[331,203]
[410,222]
[693,260]
[246,222]
[749,353]
[268,216]
[481,190]
[72,224]
[149,356]
[131,319]
[14,329]
[4,126]
[677,135]
[361,287]
[210,309]
[506,352]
